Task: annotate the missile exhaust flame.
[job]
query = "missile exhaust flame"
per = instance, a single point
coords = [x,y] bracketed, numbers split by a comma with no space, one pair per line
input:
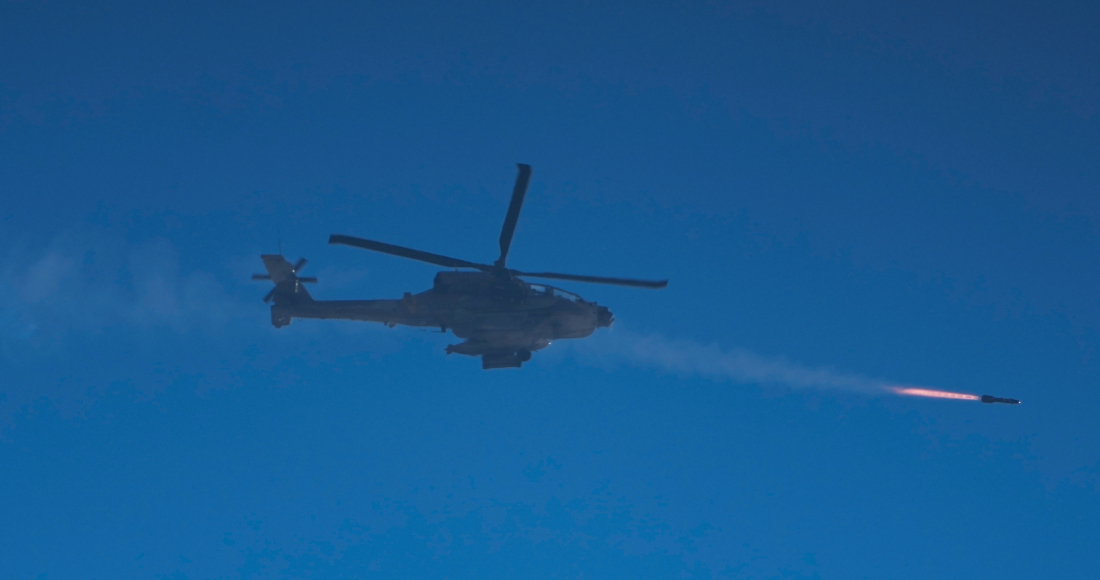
[742,366]
[912,392]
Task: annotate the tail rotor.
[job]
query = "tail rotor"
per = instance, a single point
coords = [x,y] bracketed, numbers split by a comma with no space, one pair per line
[284,275]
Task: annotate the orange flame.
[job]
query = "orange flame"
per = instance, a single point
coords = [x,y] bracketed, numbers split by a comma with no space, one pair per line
[936,394]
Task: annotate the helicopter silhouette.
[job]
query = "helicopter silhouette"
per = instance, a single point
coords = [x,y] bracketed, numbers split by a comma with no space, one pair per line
[501,317]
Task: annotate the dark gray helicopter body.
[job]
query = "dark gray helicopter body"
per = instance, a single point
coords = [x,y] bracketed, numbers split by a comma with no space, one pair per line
[502,318]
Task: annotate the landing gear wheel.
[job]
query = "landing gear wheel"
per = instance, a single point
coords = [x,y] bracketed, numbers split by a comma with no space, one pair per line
[523,355]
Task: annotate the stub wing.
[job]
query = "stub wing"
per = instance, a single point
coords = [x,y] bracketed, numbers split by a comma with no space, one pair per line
[499,352]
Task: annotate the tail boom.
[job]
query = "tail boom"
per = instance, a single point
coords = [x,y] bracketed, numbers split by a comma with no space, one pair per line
[388,312]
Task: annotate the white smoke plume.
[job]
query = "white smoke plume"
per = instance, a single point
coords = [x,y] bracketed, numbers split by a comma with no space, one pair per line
[85,284]
[688,357]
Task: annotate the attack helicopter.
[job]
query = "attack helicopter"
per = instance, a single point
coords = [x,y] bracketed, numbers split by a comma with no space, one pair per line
[501,317]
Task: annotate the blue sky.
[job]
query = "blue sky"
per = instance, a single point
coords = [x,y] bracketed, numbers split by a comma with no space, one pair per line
[892,195]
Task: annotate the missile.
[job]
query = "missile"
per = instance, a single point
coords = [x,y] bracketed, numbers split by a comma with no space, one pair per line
[992,399]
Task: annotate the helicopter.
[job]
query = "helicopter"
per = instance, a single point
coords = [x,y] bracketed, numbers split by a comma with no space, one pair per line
[501,317]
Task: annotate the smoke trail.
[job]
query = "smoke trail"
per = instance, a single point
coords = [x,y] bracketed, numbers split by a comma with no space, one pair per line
[687,357]
[87,284]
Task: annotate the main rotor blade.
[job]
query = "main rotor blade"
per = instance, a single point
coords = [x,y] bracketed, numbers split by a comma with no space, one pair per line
[298,266]
[405,252]
[594,279]
[518,193]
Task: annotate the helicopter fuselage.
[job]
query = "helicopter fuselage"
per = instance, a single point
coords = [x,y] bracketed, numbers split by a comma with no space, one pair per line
[502,319]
